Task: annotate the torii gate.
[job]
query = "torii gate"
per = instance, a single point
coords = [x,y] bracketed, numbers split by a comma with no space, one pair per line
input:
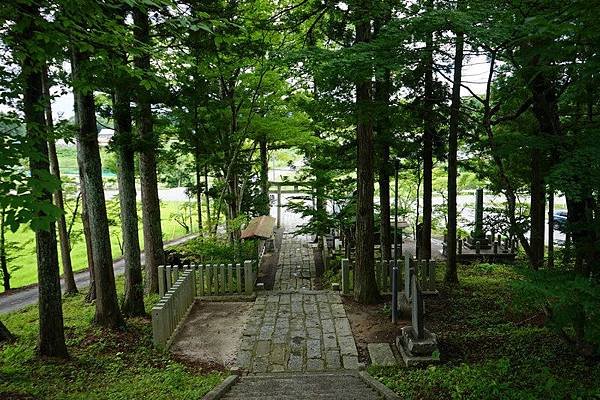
[288,187]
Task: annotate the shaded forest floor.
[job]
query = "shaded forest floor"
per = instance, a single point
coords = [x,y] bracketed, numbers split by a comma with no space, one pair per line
[103,364]
[494,344]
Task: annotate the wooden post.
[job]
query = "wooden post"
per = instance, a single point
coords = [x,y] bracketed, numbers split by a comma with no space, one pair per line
[238,272]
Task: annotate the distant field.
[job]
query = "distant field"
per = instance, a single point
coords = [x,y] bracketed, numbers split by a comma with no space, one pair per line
[26,260]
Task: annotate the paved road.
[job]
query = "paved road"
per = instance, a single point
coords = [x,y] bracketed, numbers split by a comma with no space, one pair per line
[23,298]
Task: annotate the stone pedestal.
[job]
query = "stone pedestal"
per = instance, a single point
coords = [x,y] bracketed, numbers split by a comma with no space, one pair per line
[417,351]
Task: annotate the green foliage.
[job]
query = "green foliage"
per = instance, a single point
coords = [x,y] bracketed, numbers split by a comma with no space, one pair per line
[104,364]
[212,250]
[494,344]
[571,302]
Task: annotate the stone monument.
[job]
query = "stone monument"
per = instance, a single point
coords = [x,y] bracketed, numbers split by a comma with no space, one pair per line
[478,234]
[416,344]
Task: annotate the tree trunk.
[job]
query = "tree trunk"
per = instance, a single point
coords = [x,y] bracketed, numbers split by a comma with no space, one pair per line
[428,134]
[207,196]
[550,228]
[451,275]
[198,188]
[63,235]
[51,341]
[3,257]
[153,241]
[264,177]
[133,301]
[537,209]
[5,335]
[382,96]
[365,288]
[88,152]
[85,218]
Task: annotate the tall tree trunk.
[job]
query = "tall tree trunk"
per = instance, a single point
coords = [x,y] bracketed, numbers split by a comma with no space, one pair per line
[365,288]
[88,152]
[3,257]
[383,89]
[264,177]
[428,134]
[85,218]
[133,301]
[537,209]
[153,241]
[207,196]
[198,170]
[451,271]
[51,342]
[550,227]
[63,235]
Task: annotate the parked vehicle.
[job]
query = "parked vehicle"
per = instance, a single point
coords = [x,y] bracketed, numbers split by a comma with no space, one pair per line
[560,220]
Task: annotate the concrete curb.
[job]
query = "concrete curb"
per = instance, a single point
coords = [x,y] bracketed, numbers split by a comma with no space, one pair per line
[220,390]
[386,392]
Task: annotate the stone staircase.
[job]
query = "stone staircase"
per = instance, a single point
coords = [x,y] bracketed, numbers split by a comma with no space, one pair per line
[291,386]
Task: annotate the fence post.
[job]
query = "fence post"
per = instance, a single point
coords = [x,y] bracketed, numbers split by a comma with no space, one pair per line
[248,276]
[345,276]
[169,282]
[161,280]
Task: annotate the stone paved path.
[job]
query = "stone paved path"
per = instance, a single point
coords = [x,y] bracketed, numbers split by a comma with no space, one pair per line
[296,328]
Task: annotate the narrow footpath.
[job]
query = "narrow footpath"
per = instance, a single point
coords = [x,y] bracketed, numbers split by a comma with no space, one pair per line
[297,343]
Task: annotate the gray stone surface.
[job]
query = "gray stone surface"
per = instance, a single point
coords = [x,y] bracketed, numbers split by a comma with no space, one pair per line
[294,327]
[347,385]
[381,354]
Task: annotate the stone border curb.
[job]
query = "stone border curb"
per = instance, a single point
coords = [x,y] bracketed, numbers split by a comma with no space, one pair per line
[386,392]
[221,389]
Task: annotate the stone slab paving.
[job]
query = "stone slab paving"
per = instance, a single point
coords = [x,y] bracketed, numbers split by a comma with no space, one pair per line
[381,354]
[296,328]
[345,385]
[296,268]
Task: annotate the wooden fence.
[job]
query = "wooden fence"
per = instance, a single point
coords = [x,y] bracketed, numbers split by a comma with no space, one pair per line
[172,308]
[211,279]
[425,270]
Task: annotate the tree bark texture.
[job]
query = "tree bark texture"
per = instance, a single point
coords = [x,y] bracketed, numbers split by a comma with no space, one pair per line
[153,241]
[451,275]
[428,134]
[63,235]
[365,287]
[51,339]
[133,301]
[88,152]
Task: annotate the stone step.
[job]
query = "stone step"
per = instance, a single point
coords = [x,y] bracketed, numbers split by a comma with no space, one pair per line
[302,386]
[381,354]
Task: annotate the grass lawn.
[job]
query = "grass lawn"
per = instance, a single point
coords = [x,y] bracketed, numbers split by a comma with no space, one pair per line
[26,272]
[103,364]
[494,345]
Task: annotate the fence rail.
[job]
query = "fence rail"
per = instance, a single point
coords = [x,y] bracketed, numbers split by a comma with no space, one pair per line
[425,270]
[211,279]
[172,308]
